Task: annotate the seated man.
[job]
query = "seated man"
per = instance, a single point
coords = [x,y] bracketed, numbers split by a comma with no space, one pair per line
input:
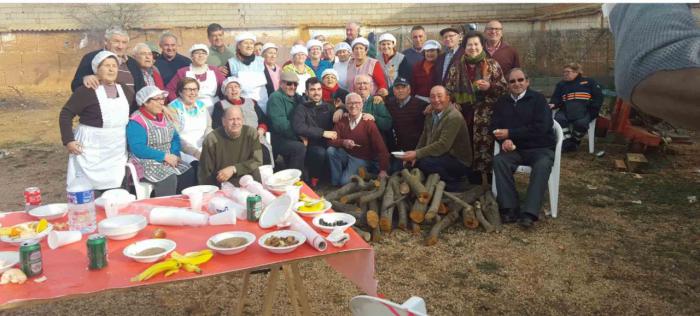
[407,116]
[358,144]
[444,146]
[230,151]
[522,124]
[280,109]
[313,120]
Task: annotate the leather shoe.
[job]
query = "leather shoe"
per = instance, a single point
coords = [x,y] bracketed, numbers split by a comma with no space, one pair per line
[509,215]
[525,221]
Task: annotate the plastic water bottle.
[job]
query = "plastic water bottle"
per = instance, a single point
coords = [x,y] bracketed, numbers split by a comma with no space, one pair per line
[81,206]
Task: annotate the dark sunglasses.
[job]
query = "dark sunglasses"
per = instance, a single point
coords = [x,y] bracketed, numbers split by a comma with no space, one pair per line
[518,80]
[292,84]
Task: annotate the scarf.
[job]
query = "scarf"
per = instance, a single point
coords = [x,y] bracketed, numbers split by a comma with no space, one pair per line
[328,92]
[461,79]
[246,60]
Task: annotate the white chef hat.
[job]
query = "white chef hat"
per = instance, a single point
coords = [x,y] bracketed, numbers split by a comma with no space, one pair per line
[312,43]
[148,92]
[97,60]
[432,44]
[360,40]
[330,71]
[387,37]
[199,47]
[268,45]
[342,46]
[245,36]
[227,81]
[296,49]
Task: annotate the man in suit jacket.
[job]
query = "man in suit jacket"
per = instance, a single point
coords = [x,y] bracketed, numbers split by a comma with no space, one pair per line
[453,52]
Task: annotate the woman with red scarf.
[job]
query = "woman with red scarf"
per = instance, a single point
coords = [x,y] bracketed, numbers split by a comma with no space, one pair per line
[329,84]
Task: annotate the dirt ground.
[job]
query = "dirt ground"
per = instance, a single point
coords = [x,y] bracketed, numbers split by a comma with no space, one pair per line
[624,244]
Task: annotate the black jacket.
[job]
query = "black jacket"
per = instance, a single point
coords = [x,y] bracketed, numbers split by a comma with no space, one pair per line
[578,97]
[437,69]
[311,120]
[85,69]
[529,120]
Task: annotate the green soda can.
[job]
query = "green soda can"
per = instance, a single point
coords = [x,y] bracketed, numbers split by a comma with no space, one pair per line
[97,251]
[30,258]
[253,207]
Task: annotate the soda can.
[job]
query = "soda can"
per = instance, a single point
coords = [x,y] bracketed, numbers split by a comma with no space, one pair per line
[253,207]
[97,251]
[32,198]
[30,258]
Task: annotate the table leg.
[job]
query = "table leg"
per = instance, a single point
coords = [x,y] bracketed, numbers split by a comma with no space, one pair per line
[243,294]
[270,290]
[291,288]
[303,298]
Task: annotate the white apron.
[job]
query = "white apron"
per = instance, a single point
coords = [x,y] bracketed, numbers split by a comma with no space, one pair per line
[104,149]
[253,87]
[207,89]
[192,130]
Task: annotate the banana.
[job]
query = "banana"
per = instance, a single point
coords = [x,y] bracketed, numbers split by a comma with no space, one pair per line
[191,268]
[171,272]
[189,261]
[195,258]
[155,269]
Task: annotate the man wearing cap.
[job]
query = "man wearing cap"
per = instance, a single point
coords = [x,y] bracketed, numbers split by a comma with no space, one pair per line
[406,114]
[315,61]
[504,54]
[280,111]
[362,64]
[413,54]
[208,76]
[154,145]
[169,61]
[250,69]
[218,52]
[230,151]
[129,74]
[421,82]
[272,70]
[393,63]
[343,52]
[453,53]
[329,53]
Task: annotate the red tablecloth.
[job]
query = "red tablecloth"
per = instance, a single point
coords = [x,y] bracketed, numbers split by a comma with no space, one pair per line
[67,273]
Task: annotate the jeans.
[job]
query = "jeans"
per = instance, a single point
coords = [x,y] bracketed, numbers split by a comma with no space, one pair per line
[450,169]
[344,165]
[316,161]
[293,151]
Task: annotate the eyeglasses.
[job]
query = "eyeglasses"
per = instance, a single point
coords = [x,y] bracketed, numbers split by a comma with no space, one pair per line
[158,99]
[494,29]
[518,80]
[190,89]
[289,84]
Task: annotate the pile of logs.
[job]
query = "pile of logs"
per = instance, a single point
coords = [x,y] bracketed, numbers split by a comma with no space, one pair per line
[417,202]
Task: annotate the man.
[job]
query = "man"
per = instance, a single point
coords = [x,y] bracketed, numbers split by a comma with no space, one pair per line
[313,121]
[352,32]
[144,57]
[230,151]
[329,53]
[169,61]
[444,146]
[406,114]
[129,72]
[280,110]
[343,52]
[414,54]
[374,108]
[453,53]
[358,144]
[504,54]
[219,54]
[522,124]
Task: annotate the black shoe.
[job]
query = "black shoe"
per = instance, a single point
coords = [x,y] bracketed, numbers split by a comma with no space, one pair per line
[509,215]
[525,221]
[569,145]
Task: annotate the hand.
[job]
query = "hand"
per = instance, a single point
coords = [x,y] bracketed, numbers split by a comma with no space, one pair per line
[171,160]
[551,106]
[261,132]
[169,114]
[409,156]
[91,81]
[337,115]
[501,134]
[383,92]
[197,154]
[382,174]
[224,174]
[508,145]
[304,140]
[377,99]
[483,85]
[330,135]
[348,143]
[74,148]
[428,109]
[223,70]
[367,117]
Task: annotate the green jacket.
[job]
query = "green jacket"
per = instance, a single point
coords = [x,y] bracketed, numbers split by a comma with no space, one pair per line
[449,136]
[381,115]
[280,111]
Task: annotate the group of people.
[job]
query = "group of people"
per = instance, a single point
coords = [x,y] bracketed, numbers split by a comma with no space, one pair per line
[330,110]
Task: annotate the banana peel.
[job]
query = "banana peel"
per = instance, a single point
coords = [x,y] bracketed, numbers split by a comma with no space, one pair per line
[189,261]
[42,225]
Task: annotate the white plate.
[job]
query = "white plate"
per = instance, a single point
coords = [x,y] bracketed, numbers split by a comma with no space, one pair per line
[275,212]
[50,211]
[398,154]
[122,226]
[131,250]
[202,188]
[124,201]
[326,206]
[332,217]
[284,177]
[8,259]
[282,233]
[18,241]
[230,251]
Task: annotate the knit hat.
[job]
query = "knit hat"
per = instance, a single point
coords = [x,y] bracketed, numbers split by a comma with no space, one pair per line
[431,44]
[148,92]
[97,60]
[245,36]
[288,76]
[312,43]
[199,47]
[296,49]
[330,71]
[342,46]
[268,45]
[360,40]
[387,37]
[227,81]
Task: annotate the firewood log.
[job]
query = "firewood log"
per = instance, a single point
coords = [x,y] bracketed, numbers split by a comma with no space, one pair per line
[416,185]
[375,194]
[442,209]
[344,190]
[417,214]
[404,188]
[402,208]
[468,216]
[347,208]
[489,207]
[372,213]
[445,222]
[387,211]
[436,201]
[418,173]
[352,197]
[364,174]
[480,217]
[415,228]
[365,235]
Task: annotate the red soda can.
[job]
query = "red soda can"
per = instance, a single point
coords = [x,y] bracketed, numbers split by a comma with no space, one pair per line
[32,197]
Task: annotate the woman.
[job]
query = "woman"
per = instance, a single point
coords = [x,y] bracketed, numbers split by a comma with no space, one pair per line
[476,82]
[155,145]
[329,80]
[209,77]
[393,63]
[315,61]
[253,115]
[299,67]
[144,57]
[272,70]
[190,118]
[97,148]
[361,64]
[423,71]
[250,69]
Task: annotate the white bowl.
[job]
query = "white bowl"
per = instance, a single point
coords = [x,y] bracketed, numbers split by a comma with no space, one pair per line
[326,206]
[8,259]
[275,212]
[122,226]
[280,189]
[124,201]
[205,189]
[115,194]
[282,233]
[131,250]
[230,251]
[332,217]
[50,211]
[18,241]
[284,178]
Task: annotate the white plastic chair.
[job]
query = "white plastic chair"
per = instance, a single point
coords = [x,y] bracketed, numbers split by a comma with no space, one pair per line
[591,136]
[553,183]
[364,305]
[143,189]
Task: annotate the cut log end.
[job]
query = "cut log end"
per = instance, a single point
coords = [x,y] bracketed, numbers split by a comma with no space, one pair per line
[416,216]
[424,197]
[443,209]
[415,229]
[385,225]
[372,218]
[431,240]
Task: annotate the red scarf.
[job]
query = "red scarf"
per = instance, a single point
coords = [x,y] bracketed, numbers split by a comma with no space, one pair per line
[327,95]
[158,117]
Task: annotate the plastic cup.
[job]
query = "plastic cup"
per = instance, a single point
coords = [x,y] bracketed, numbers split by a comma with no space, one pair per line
[111,207]
[265,172]
[293,191]
[225,218]
[196,200]
[59,238]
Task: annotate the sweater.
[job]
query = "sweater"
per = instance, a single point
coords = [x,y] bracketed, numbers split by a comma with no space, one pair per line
[137,139]
[220,151]
[381,116]
[506,56]
[85,69]
[449,136]
[413,56]
[280,109]
[421,81]
[182,73]
[322,65]
[367,136]
[168,68]
[408,121]
[529,120]
[311,120]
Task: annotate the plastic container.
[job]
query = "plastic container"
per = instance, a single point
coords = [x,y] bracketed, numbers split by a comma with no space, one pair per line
[81,206]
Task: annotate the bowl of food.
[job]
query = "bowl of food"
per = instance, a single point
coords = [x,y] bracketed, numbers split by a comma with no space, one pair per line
[329,221]
[149,250]
[282,241]
[283,178]
[312,208]
[122,227]
[230,243]
[50,211]
[26,231]
[8,259]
